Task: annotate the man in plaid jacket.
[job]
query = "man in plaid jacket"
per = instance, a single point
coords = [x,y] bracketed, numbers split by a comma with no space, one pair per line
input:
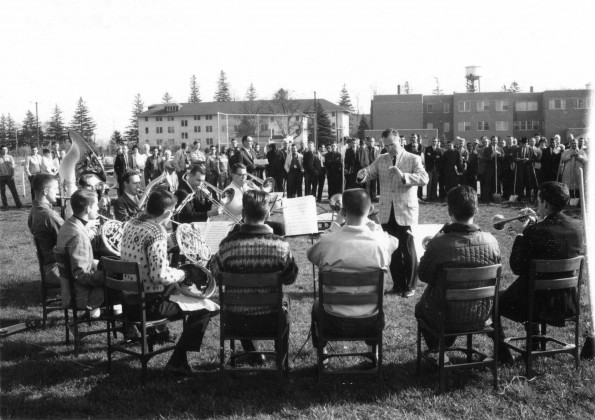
[400,173]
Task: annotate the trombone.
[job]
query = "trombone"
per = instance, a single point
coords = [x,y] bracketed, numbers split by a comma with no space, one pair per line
[266,185]
[226,197]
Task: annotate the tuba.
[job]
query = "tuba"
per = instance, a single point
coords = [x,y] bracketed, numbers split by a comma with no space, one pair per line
[80,160]
[150,187]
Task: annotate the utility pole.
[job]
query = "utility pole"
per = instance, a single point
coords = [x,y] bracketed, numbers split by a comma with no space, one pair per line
[37,123]
[315,121]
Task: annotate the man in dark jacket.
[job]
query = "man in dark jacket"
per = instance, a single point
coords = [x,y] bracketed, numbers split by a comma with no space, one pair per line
[246,154]
[433,160]
[452,166]
[126,206]
[312,167]
[416,148]
[334,170]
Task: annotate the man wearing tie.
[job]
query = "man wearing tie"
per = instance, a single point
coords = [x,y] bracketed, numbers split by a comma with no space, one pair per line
[294,166]
[180,161]
[246,154]
[126,206]
[400,174]
[373,152]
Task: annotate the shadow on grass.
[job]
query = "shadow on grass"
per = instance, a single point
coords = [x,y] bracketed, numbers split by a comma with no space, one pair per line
[21,294]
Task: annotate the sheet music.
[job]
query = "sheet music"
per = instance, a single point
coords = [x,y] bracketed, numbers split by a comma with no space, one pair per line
[213,232]
[299,215]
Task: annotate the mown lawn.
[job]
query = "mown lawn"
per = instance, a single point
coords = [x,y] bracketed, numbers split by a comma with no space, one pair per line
[42,378]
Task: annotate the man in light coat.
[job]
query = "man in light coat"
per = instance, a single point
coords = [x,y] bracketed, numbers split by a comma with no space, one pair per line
[400,173]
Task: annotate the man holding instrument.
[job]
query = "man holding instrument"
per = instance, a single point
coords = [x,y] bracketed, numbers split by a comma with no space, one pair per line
[400,173]
[126,206]
[254,248]
[200,208]
[145,241]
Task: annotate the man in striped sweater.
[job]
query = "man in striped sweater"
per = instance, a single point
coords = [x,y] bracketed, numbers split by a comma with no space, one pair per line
[254,249]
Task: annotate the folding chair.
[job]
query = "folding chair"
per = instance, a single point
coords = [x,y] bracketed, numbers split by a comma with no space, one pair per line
[375,279]
[49,304]
[114,270]
[69,304]
[252,295]
[567,274]
[455,320]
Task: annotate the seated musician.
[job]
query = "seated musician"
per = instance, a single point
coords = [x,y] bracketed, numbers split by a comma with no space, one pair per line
[126,206]
[44,223]
[459,243]
[144,241]
[555,237]
[239,176]
[74,239]
[359,245]
[254,248]
[201,207]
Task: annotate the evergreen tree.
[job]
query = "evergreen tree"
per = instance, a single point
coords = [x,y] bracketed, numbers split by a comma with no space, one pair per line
[132,132]
[407,88]
[345,100]
[167,98]
[437,90]
[363,125]
[222,94]
[82,122]
[323,122]
[194,97]
[56,130]
[116,139]
[28,134]
[251,93]
[514,87]
[3,136]
[11,128]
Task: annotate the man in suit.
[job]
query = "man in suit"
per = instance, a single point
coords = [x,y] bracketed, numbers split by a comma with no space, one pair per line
[74,239]
[493,156]
[550,161]
[153,167]
[120,168]
[555,237]
[416,148]
[126,206]
[433,158]
[526,178]
[400,174]
[246,154]
[373,153]
[200,208]
[350,163]
[334,170]
[294,166]
[452,166]
[313,167]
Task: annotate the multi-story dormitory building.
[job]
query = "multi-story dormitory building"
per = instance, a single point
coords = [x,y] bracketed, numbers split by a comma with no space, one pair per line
[472,115]
[219,122]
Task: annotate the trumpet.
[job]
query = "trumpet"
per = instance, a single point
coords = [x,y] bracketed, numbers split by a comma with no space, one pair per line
[266,185]
[500,221]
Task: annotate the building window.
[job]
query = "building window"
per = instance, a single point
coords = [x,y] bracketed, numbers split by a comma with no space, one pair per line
[236,128]
[170,118]
[526,106]
[464,106]
[464,126]
[583,103]
[557,103]
[333,114]
[185,136]
[447,127]
[429,108]
[170,130]
[146,130]
[209,128]
[446,108]
[209,117]
[264,127]
[483,106]
[184,123]
[333,126]
[526,125]
[146,119]
[197,118]
[209,141]
[158,118]
[158,130]
[483,126]
[159,142]
[503,105]
[501,125]
[197,128]
[429,125]
[171,142]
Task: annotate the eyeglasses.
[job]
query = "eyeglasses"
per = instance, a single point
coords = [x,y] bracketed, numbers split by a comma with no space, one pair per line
[240,174]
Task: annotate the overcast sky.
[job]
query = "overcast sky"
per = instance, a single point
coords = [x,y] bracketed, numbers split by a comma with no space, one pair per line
[53,52]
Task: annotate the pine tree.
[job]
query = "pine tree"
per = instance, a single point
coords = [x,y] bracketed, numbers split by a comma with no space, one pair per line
[167,98]
[137,107]
[194,97]
[82,122]
[3,136]
[11,128]
[28,134]
[345,100]
[56,130]
[251,93]
[222,94]
[323,122]
[363,125]
[514,87]
[116,139]
[437,90]
[407,88]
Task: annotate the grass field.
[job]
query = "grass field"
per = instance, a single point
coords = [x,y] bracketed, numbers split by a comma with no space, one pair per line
[42,378]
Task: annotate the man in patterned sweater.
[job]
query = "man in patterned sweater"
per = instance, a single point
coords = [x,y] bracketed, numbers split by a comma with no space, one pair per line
[254,249]
[144,240]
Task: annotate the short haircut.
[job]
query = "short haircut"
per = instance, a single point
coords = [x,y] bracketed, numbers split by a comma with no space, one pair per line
[46,150]
[81,199]
[462,202]
[42,181]
[84,178]
[245,138]
[237,166]
[159,201]
[356,202]
[135,147]
[128,174]
[197,169]
[555,194]
[196,142]
[255,204]
[389,131]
